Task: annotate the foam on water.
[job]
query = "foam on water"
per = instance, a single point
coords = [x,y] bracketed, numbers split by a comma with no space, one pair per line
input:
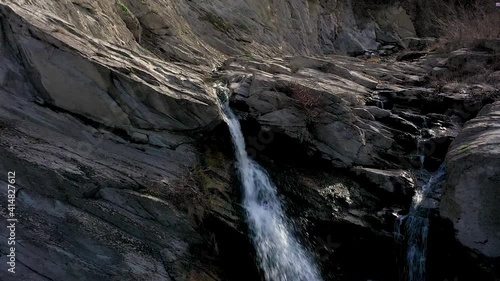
[280,255]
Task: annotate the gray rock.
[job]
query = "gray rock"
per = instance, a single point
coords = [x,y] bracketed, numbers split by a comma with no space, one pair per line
[472,195]
[139,137]
[131,22]
[394,23]
[94,206]
[74,79]
[492,45]
[419,44]
[466,61]
[393,181]
[411,55]
[378,112]
[72,71]
[322,105]
[104,205]
[356,42]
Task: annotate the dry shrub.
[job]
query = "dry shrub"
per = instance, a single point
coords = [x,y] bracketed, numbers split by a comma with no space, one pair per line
[304,97]
[463,23]
[467,22]
[471,72]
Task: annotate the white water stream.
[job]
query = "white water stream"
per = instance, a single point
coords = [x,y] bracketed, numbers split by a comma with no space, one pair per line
[279,253]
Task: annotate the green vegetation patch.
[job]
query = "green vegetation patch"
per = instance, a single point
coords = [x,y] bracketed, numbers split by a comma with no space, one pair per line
[124,8]
[463,148]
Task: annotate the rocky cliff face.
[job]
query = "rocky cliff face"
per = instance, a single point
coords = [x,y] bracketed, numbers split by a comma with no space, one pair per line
[109,119]
[201,32]
[89,125]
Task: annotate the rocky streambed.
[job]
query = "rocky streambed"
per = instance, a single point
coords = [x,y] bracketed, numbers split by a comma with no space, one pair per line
[125,170]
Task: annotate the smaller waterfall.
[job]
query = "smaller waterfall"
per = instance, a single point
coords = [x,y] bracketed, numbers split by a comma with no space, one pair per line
[414,227]
[281,256]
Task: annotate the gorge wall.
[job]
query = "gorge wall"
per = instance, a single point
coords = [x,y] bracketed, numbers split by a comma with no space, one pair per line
[125,170]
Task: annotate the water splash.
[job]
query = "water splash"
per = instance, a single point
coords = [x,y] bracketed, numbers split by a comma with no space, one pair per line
[280,254]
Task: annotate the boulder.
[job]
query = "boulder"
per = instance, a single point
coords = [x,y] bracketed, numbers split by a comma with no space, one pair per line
[473,187]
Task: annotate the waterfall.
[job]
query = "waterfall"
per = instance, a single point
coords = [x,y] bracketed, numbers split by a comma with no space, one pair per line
[414,227]
[279,253]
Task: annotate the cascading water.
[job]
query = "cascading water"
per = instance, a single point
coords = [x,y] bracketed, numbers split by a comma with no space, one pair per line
[281,256]
[414,227]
